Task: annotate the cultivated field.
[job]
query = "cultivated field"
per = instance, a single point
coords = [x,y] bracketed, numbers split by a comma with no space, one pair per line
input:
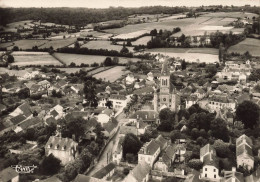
[27,44]
[111,74]
[6,44]
[199,55]
[102,44]
[59,43]
[249,44]
[87,59]
[230,15]
[189,26]
[33,58]
[131,35]
[142,41]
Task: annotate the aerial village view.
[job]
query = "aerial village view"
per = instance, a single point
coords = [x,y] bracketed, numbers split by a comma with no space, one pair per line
[129,91]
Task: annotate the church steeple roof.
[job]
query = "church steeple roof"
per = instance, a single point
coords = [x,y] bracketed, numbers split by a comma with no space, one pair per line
[165,70]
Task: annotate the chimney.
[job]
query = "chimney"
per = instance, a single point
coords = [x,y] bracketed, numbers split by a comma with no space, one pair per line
[234,169]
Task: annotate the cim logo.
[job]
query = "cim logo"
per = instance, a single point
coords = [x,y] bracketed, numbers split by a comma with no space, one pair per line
[24,169]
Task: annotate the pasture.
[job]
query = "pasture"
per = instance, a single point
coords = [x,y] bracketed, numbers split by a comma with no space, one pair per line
[189,26]
[102,44]
[141,41]
[131,35]
[27,44]
[112,74]
[6,44]
[88,59]
[34,58]
[74,70]
[59,43]
[249,44]
[197,55]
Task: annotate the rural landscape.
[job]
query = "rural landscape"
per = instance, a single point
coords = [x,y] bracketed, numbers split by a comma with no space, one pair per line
[133,94]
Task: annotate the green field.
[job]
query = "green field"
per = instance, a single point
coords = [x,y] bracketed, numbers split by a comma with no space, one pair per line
[34,58]
[59,43]
[24,44]
[111,74]
[74,70]
[102,44]
[249,44]
[189,26]
[87,59]
[199,55]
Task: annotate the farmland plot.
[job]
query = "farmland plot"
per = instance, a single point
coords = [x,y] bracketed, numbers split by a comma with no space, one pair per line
[131,35]
[102,45]
[28,44]
[59,43]
[34,58]
[249,44]
[88,59]
[190,55]
[112,74]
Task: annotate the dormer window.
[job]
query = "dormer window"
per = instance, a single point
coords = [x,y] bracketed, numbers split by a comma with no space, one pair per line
[57,146]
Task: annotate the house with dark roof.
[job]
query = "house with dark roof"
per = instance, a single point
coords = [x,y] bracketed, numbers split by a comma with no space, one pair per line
[23,109]
[221,101]
[147,116]
[244,154]
[149,152]
[64,149]
[9,174]
[29,123]
[139,174]
[110,127]
[210,170]
[105,172]
[162,142]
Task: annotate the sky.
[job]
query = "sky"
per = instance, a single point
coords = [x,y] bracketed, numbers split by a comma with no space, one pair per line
[124,3]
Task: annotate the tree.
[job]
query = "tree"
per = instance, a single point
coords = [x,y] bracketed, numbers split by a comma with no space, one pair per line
[24,93]
[128,43]
[124,50]
[131,144]
[183,65]
[15,48]
[50,165]
[74,126]
[195,164]
[219,129]
[108,61]
[222,148]
[90,93]
[248,113]
[166,114]
[76,45]
[10,58]
[109,104]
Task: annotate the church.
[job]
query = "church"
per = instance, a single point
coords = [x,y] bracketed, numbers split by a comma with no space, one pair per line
[166,96]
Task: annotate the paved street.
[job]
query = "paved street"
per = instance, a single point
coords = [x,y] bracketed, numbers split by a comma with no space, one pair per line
[110,148]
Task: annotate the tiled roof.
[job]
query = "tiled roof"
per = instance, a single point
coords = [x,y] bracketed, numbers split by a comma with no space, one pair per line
[35,87]
[145,115]
[8,174]
[140,171]
[54,113]
[25,107]
[29,122]
[161,141]
[110,125]
[104,171]
[142,124]
[143,90]
[18,119]
[117,97]
[149,148]
[211,159]
[170,150]
[57,143]
[128,129]
[244,149]
[206,149]
[61,83]
[244,138]
[228,175]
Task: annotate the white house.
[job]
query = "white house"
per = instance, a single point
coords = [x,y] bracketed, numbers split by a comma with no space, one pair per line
[130,79]
[118,101]
[210,171]
[221,101]
[244,152]
[193,99]
[64,149]
[149,152]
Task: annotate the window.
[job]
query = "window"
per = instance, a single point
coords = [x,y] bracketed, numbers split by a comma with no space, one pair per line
[214,170]
[215,176]
[205,169]
[205,175]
